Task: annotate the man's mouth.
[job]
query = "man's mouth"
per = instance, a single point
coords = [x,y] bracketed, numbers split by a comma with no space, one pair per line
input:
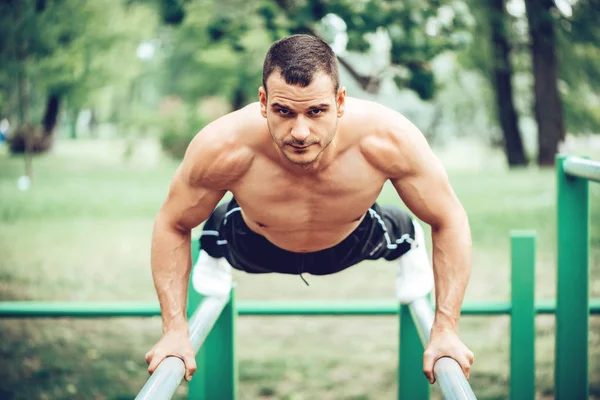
[303,147]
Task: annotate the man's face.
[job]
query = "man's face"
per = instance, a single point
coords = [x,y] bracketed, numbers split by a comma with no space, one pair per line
[302,120]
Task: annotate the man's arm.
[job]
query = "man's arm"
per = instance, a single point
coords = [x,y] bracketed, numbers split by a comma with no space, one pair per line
[421,181]
[426,191]
[187,206]
[210,166]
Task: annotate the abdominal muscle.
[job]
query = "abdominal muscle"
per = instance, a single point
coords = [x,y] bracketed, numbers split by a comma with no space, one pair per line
[304,237]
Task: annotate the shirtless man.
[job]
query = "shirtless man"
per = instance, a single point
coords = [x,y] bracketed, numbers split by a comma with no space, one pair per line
[305,166]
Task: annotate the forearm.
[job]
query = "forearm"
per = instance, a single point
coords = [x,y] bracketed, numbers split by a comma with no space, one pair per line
[452,269]
[171,265]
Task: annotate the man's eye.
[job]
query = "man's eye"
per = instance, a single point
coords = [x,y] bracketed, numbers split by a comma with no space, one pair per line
[283,111]
[316,112]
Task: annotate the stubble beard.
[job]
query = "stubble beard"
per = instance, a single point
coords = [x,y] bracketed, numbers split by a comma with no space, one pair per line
[300,163]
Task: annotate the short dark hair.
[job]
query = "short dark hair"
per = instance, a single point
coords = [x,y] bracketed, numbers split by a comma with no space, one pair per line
[298,58]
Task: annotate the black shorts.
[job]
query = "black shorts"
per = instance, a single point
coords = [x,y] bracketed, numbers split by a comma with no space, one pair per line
[385,232]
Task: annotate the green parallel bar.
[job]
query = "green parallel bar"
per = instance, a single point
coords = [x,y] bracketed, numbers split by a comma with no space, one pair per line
[221,374]
[522,328]
[582,168]
[366,307]
[572,297]
[58,309]
[196,385]
[412,383]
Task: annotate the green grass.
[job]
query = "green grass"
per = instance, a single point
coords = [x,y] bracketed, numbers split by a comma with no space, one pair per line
[82,233]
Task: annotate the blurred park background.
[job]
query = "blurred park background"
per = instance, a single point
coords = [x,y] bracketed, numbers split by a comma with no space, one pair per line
[99,99]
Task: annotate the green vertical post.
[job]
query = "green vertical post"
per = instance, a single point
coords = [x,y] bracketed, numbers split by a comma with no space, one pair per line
[196,385]
[412,383]
[220,372]
[572,297]
[522,323]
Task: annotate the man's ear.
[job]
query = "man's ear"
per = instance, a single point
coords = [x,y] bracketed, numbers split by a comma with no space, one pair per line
[262,97]
[341,101]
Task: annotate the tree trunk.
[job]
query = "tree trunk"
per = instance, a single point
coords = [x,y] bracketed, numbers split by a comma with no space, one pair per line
[93,124]
[73,123]
[513,146]
[239,99]
[547,108]
[51,113]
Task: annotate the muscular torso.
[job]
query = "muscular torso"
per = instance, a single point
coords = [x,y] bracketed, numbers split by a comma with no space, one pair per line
[308,213]
[313,211]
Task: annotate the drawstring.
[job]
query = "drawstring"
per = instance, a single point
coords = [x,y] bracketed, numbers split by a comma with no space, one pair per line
[301,277]
[301,269]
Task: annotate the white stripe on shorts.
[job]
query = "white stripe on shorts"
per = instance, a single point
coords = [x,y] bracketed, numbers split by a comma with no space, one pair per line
[392,246]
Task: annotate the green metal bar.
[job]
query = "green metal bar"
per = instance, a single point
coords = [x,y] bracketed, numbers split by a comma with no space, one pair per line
[364,308]
[196,385]
[367,307]
[164,381]
[582,168]
[572,297]
[412,383]
[522,328]
[59,309]
[448,374]
[220,376]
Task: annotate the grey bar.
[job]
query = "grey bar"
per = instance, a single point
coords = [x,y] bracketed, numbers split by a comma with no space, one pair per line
[582,168]
[448,374]
[168,375]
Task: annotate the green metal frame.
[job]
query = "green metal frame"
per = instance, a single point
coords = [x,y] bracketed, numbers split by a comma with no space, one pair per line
[522,316]
[58,309]
[412,383]
[572,296]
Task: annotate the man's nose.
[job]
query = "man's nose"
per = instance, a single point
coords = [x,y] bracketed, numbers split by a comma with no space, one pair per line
[300,131]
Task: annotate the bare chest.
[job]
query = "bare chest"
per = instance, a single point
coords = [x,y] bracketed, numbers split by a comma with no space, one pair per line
[276,200]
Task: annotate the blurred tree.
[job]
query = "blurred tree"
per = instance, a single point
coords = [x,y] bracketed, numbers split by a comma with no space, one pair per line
[578,62]
[547,106]
[578,38]
[418,30]
[217,49]
[49,57]
[503,74]
[491,55]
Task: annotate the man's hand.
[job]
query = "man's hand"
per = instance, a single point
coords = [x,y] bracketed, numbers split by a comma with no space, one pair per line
[173,343]
[445,343]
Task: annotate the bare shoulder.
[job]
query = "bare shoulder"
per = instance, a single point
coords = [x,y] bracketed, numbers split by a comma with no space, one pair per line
[224,150]
[388,140]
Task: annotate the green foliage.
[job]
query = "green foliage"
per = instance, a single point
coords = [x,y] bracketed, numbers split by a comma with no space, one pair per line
[216,50]
[577,52]
[422,81]
[68,48]
[579,55]
[418,30]
[177,128]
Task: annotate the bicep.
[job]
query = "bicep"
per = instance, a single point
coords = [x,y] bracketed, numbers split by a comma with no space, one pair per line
[425,187]
[429,196]
[213,162]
